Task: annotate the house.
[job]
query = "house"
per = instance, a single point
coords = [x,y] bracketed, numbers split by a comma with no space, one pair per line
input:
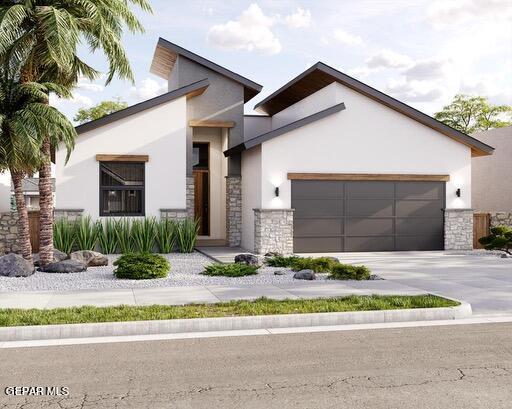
[30,187]
[492,175]
[331,164]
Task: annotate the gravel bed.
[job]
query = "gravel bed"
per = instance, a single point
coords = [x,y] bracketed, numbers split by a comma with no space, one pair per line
[185,269]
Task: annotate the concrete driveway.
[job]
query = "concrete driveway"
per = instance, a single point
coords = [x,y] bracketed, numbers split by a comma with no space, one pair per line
[483,280]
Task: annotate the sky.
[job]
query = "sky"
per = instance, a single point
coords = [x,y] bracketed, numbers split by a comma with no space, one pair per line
[420,52]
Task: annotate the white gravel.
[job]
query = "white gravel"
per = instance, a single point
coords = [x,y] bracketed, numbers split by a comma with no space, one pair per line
[185,271]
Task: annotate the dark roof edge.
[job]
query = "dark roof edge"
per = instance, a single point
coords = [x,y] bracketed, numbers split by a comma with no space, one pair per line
[142,106]
[210,64]
[284,129]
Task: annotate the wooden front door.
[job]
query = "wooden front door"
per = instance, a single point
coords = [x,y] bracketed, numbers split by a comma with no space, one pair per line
[202,186]
[33,227]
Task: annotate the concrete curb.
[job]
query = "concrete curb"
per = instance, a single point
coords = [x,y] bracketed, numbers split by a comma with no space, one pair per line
[45,332]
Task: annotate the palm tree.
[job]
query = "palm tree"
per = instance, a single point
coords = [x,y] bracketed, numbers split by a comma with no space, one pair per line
[25,120]
[49,32]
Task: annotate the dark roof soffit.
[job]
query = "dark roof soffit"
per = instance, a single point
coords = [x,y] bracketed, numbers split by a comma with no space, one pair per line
[194,88]
[284,129]
[478,148]
[251,88]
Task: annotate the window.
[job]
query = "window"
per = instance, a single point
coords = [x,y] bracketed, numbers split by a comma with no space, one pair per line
[122,188]
[200,155]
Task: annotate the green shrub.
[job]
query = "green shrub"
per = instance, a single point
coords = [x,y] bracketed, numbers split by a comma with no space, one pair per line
[86,233]
[230,270]
[318,264]
[107,237]
[349,272]
[188,230]
[123,229]
[166,235]
[281,261]
[499,239]
[141,266]
[144,234]
[63,235]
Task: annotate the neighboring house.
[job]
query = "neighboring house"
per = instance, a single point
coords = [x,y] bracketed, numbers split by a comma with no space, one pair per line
[492,175]
[332,165]
[30,188]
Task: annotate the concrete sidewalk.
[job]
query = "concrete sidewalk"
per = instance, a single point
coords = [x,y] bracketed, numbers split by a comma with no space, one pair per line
[201,294]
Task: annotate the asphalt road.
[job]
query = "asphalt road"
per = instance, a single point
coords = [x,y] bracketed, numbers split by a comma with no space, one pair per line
[463,366]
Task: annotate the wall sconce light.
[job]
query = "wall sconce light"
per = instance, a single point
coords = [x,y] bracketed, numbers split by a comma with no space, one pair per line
[276,191]
[457,192]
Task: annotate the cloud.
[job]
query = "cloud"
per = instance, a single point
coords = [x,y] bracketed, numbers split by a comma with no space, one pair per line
[426,70]
[347,39]
[414,91]
[147,89]
[447,13]
[388,59]
[78,100]
[86,85]
[300,19]
[250,31]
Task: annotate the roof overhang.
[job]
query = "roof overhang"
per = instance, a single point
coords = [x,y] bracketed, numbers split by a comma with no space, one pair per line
[320,75]
[191,90]
[166,54]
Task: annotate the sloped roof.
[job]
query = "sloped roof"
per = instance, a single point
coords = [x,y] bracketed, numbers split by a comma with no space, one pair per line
[190,90]
[30,185]
[165,56]
[320,75]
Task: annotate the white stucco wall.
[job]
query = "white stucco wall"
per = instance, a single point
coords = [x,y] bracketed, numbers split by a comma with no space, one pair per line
[367,137]
[159,132]
[5,192]
[218,172]
[251,194]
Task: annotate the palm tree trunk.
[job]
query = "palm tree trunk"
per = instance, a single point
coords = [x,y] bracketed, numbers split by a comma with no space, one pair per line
[23,229]
[46,206]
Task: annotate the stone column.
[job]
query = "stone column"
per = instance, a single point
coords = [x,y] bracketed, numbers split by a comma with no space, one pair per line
[233,211]
[273,231]
[70,214]
[9,242]
[174,214]
[458,229]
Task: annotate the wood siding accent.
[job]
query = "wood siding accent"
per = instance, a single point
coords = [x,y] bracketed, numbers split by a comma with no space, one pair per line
[211,123]
[369,176]
[481,228]
[122,158]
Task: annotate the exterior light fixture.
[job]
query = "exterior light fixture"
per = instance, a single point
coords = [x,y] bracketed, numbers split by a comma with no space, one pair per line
[457,192]
[276,191]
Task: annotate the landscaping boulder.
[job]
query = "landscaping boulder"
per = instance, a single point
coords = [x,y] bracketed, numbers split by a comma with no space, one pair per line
[249,259]
[305,275]
[57,256]
[90,258]
[271,254]
[13,265]
[279,273]
[64,266]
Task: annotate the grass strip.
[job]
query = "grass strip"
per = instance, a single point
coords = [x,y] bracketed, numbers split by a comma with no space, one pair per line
[261,306]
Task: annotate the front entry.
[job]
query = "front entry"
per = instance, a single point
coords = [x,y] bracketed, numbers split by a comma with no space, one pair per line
[201,171]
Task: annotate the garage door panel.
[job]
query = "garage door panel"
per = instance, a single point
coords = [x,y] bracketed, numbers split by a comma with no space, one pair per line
[318,227]
[315,208]
[317,244]
[419,226]
[419,243]
[423,190]
[410,208]
[370,208]
[378,243]
[369,227]
[317,189]
[372,190]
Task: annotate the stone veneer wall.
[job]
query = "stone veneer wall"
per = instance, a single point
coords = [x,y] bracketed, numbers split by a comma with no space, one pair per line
[70,214]
[233,211]
[501,219]
[174,214]
[273,231]
[9,233]
[458,229]
[190,194]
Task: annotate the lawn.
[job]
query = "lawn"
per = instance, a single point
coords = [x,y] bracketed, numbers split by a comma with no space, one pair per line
[261,306]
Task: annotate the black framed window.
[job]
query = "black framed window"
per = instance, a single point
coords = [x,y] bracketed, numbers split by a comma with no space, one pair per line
[200,155]
[122,188]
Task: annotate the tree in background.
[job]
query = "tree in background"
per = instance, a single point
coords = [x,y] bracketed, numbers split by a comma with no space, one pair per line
[47,34]
[99,111]
[474,114]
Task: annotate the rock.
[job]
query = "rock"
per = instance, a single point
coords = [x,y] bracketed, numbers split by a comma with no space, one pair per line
[504,255]
[271,254]
[375,277]
[305,275]
[249,259]
[64,266]
[90,258]
[13,265]
[57,256]
[279,273]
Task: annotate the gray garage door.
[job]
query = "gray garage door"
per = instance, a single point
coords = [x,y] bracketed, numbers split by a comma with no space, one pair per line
[367,216]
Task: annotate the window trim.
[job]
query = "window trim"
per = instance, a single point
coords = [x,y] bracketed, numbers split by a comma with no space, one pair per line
[142,189]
